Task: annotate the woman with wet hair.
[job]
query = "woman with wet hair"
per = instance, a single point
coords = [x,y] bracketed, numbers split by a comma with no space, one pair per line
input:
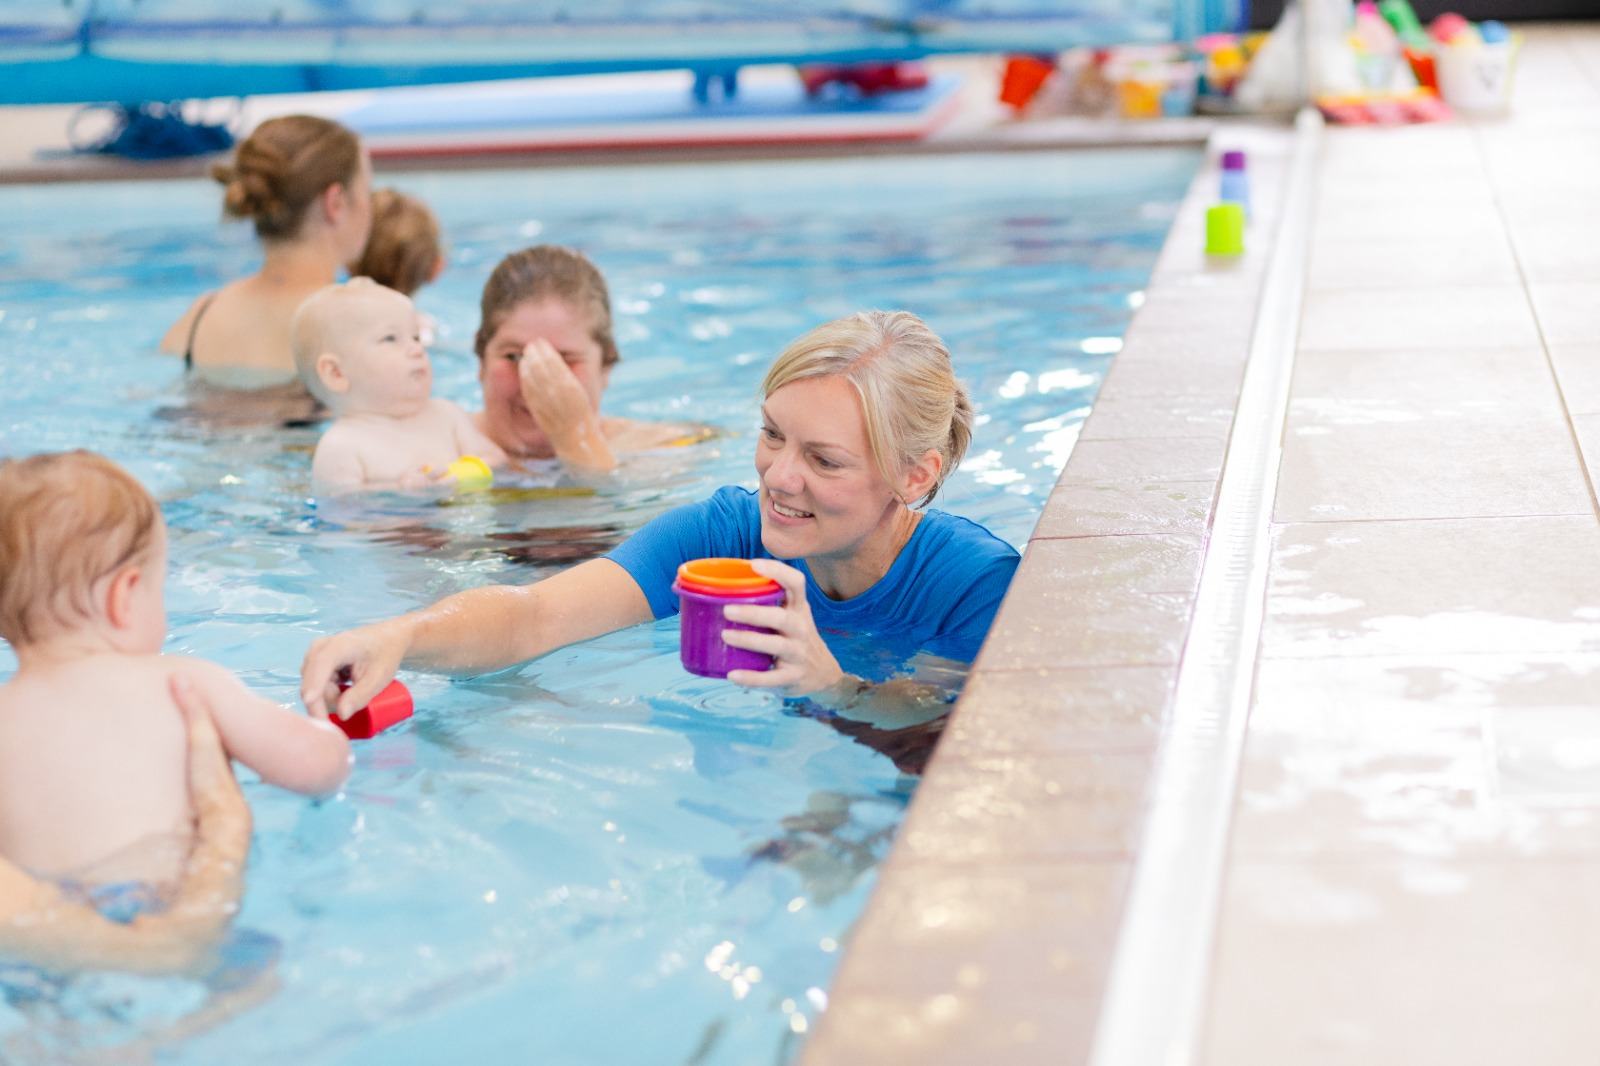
[863,421]
[546,350]
[306,184]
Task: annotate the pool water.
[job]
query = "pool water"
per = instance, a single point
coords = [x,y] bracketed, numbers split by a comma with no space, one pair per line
[595,858]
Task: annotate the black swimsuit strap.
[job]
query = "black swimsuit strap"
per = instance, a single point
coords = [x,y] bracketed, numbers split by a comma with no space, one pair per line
[194,327]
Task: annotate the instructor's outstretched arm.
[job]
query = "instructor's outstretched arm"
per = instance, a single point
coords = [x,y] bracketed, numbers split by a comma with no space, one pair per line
[472,632]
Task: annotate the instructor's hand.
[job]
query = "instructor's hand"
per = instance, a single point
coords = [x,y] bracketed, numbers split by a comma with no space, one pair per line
[371,654]
[802,663]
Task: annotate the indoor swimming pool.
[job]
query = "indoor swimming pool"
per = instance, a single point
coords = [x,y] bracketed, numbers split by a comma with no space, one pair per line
[595,858]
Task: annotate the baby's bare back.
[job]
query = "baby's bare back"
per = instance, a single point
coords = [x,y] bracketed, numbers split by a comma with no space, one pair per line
[93,781]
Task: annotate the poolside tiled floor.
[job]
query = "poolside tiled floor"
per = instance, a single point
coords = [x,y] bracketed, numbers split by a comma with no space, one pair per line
[1417,837]
[1414,857]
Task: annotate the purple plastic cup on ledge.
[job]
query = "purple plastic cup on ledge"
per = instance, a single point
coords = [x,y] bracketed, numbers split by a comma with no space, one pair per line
[704,588]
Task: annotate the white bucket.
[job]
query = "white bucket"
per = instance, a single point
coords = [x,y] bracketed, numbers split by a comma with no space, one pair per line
[1477,81]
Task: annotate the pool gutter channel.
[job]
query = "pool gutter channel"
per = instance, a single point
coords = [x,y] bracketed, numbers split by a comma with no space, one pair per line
[1052,894]
[1165,950]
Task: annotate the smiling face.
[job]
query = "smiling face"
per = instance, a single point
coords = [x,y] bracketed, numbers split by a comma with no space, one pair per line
[377,346]
[507,420]
[822,494]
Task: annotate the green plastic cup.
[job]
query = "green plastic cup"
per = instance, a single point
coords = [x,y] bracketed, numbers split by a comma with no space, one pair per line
[1225,229]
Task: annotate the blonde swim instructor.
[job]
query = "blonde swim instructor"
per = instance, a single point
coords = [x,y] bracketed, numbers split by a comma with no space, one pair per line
[863,421]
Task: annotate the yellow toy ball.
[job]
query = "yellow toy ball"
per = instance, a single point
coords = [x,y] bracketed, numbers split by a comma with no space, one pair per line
[471,472]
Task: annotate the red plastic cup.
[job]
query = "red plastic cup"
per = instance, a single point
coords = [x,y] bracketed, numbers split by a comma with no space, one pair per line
[1024,76]
[391,706]
[704,588]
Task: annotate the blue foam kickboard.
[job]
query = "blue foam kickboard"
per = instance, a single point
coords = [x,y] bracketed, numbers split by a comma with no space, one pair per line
[408,112]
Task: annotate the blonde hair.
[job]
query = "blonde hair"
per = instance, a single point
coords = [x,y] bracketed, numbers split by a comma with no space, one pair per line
[543,272]
[318,318]
[280,170]
[67,520]
[403,248]
[901,370]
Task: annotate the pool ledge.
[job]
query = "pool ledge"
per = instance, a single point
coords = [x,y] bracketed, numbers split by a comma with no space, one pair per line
[992,931]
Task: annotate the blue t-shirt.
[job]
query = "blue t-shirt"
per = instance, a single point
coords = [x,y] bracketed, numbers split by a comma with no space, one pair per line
[940,594]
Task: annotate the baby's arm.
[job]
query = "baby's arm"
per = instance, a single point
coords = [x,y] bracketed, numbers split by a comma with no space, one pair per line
[470,440]
[288,749]
[337,466]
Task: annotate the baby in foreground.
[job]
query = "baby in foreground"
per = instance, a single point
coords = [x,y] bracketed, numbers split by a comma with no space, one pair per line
[93,750]
[358,349]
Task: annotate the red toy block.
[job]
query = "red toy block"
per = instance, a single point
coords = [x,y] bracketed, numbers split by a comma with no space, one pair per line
[391,706]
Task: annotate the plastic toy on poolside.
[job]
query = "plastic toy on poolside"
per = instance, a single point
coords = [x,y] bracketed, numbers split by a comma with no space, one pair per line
[1234,182]
[704,588]
[1225,230]
[1023,78]
[389,707]
[867,79]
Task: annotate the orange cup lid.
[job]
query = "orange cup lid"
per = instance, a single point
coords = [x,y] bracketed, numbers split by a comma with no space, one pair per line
[728,576]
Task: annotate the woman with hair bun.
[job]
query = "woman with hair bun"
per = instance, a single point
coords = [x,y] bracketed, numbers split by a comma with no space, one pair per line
[863,421]
[306,184]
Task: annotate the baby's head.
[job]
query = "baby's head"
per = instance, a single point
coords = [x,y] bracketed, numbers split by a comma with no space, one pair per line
[358,348]
[82,546]
[403,249]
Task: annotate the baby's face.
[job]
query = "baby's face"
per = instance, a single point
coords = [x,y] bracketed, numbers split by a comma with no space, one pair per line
[380,351]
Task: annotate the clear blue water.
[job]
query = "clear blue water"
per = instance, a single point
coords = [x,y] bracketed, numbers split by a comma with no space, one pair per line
[595,858]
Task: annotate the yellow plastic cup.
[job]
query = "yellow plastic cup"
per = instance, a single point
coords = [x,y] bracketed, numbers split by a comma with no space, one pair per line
[471,472]
[1225,229]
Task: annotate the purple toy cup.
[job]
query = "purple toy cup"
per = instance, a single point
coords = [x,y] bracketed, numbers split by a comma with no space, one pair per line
[701,647]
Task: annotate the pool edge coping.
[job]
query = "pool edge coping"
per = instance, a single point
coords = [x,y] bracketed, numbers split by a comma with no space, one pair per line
[1012,832]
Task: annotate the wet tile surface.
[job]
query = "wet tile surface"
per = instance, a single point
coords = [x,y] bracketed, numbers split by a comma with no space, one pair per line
[1450,757]
[1144,459]
[1097,601]
[1020,1025]
[1569,313]
[1121,418]
[1457,316]
[1117,508]
[1452,585]
[1025,806]
[1341,471]
[1482,258]
[1048,925]
[1578,371]
[1406,961]
[1047,711]
[1416,385]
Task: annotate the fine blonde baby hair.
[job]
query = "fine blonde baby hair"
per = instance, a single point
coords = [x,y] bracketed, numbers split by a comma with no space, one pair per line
[316,323]
[403,250]
[910,397]
[67,520]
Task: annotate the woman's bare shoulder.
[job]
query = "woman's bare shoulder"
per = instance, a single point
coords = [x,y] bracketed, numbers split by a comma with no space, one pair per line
[630,435]
[177,336]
